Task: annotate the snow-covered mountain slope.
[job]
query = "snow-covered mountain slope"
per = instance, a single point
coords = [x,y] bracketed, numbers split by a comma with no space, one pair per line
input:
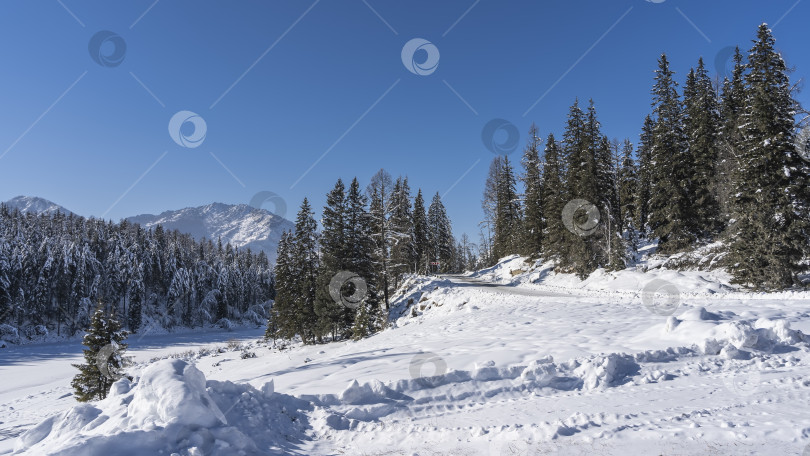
[242,225]
[468,367]
[35,205]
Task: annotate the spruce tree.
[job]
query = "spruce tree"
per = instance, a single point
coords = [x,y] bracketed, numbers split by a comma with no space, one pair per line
[361,253]
[532,242]
[554,200]
[628,189]
[701,127]
[645,173]
[334,251]
[420,233]
[305,255]
[769,229]
[440,235]
[507,212]
[282,323]
[403,252]
[670,182]
[730,140]
[104,357]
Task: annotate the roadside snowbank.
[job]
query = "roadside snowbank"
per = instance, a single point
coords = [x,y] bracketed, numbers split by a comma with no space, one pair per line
[171,409]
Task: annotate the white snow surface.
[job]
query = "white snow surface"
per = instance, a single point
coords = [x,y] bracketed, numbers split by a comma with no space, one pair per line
[240,225]
[539,363]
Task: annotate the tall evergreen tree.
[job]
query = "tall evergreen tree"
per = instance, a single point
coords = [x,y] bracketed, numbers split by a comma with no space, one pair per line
[403,251]
[334,251]
[104,358]
[670,177]
[769,232]
[628,191]
[420,233]
[305,254]
[554,200]
[440,235]
[506,240]
[701,128]
[730,141]
[380,194]
[532,242]
[645,173]
[362,255]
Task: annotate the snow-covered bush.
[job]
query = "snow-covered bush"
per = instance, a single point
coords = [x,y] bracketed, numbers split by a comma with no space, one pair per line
[9,333]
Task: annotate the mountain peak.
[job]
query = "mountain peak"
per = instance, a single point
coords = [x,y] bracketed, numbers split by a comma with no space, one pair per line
[35,205]
[241,225]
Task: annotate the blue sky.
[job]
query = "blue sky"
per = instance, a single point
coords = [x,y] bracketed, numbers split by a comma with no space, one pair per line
[281,84]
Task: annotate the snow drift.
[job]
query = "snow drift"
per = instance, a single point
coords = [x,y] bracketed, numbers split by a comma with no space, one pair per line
[171,409]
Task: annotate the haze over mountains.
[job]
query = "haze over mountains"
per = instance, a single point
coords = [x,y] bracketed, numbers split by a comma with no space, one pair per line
[241,225]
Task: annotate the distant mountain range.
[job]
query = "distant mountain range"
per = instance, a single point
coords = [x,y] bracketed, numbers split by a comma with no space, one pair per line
[240,225]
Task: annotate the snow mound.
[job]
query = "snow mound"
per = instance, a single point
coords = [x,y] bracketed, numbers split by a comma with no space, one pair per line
[171,409]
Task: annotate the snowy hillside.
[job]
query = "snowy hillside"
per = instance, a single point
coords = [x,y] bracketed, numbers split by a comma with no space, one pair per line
[468,367]
[35,205]
[242,225]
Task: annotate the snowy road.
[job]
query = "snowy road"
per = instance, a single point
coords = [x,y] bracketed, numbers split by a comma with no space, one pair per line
[483,285]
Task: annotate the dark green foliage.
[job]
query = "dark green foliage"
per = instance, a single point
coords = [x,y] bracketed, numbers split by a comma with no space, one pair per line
[628,189]
[554,199]
[670,182]
[645,174]
[440,235]
[769,228]
[532,242]
[104,358]
[730,141]
[507,223]
[420,233]
[702,128]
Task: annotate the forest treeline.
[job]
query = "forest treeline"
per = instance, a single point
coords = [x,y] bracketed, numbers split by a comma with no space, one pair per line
[715,162]
[335,283]
[55,269]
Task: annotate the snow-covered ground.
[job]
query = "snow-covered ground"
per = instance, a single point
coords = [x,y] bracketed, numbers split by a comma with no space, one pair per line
[492,363]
